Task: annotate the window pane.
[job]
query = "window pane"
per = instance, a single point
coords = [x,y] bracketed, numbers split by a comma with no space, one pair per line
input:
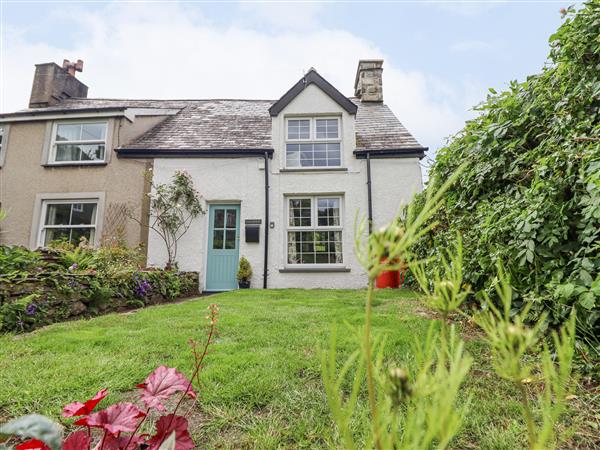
[299,129]
[218,239]
[328,212]
[78,233]
[93,132]
[307,258]
[83,214]
[58,214]
[333,154]
[92,152]
[219,218]
[313,155]
[307,247]
[68,152]
[230,239]
[299,212]
[327,129]
[56,235]
[231,218]
[306,155]
[322,258]
[68,132]
[292,156]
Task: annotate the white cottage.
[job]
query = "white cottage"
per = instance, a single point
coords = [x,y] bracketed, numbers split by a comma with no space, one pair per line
[284,180]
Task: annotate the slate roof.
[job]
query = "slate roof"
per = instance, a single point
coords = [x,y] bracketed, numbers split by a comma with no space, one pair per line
[212,125]
[377,128]
[203,125]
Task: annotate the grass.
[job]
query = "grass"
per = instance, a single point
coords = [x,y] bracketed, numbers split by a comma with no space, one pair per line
[262,381]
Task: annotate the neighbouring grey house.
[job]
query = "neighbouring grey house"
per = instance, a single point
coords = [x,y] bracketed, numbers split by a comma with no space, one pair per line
[282,180]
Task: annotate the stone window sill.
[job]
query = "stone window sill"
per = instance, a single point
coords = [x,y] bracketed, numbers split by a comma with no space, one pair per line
[323,169]
[103,164]
[313,269]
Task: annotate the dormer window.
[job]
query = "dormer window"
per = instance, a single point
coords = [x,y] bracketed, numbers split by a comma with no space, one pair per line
[78,143]
[313,142]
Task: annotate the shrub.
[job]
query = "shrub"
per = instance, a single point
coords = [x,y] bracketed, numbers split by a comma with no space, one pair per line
[80,281]
[23,314]
[530,192]
[111,260]
[245,270]
[14,259]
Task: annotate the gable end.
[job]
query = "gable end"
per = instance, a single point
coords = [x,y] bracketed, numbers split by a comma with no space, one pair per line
[312,77]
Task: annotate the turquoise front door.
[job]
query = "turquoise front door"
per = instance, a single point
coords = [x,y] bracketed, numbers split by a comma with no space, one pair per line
[223,247]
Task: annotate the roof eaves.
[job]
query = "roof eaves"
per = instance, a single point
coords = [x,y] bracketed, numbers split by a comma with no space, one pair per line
[407,152]
[57,111]
[124,152]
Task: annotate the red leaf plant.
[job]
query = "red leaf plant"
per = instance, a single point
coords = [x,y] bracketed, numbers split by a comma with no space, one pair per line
[76,441]
[167,425]
[32,444]
[120,423]
[83,409]
[116,419]
[161,385]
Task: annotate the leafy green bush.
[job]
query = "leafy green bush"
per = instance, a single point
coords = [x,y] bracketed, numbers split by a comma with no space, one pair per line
[13,259]
[530,192]
[24,314]
[110,260]
[245,270]
[69,282]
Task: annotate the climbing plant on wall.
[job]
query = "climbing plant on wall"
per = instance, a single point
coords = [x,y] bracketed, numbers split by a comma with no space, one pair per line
[529,195]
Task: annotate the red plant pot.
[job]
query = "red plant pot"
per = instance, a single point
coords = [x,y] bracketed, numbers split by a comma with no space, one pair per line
[387,279]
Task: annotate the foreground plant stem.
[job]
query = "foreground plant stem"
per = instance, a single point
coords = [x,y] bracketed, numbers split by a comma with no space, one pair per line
[137,428]
[527,413]
[370,377]
[213,322]
[103,439]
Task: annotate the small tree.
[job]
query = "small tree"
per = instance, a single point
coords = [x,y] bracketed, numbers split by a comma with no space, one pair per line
[173,207]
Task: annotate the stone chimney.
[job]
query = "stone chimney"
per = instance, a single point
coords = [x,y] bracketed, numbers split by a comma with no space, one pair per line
[52,83]
[368,86]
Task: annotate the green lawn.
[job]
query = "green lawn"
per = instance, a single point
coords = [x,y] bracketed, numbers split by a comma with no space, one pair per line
[262,382]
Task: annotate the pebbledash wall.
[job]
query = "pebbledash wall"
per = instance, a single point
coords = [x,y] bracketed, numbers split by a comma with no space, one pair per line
[241,181]
[25,179]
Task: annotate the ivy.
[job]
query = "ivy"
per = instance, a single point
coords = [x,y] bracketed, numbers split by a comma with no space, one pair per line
[529,196]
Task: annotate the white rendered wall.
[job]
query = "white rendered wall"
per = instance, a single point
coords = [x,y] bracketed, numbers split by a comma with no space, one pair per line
[241,180]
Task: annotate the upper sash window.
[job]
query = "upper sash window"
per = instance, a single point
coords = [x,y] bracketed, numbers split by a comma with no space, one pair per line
[79,143]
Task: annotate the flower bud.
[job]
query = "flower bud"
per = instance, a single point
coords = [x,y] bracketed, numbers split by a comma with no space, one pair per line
[399,385]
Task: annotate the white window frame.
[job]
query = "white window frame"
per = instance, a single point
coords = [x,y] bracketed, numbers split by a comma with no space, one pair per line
[43,227]
[314,198]
[40,208]
[53,143]
[312,139]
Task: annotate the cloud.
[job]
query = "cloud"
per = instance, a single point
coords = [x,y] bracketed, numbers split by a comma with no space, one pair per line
[170,51]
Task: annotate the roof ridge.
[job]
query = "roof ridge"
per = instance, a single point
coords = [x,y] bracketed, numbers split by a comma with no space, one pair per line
[171,99]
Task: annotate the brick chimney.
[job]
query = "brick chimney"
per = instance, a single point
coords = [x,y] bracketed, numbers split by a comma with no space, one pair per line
[368,86]
[52,83]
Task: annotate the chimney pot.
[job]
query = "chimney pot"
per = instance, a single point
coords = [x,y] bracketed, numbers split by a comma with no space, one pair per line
[72,67]
[368,86]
